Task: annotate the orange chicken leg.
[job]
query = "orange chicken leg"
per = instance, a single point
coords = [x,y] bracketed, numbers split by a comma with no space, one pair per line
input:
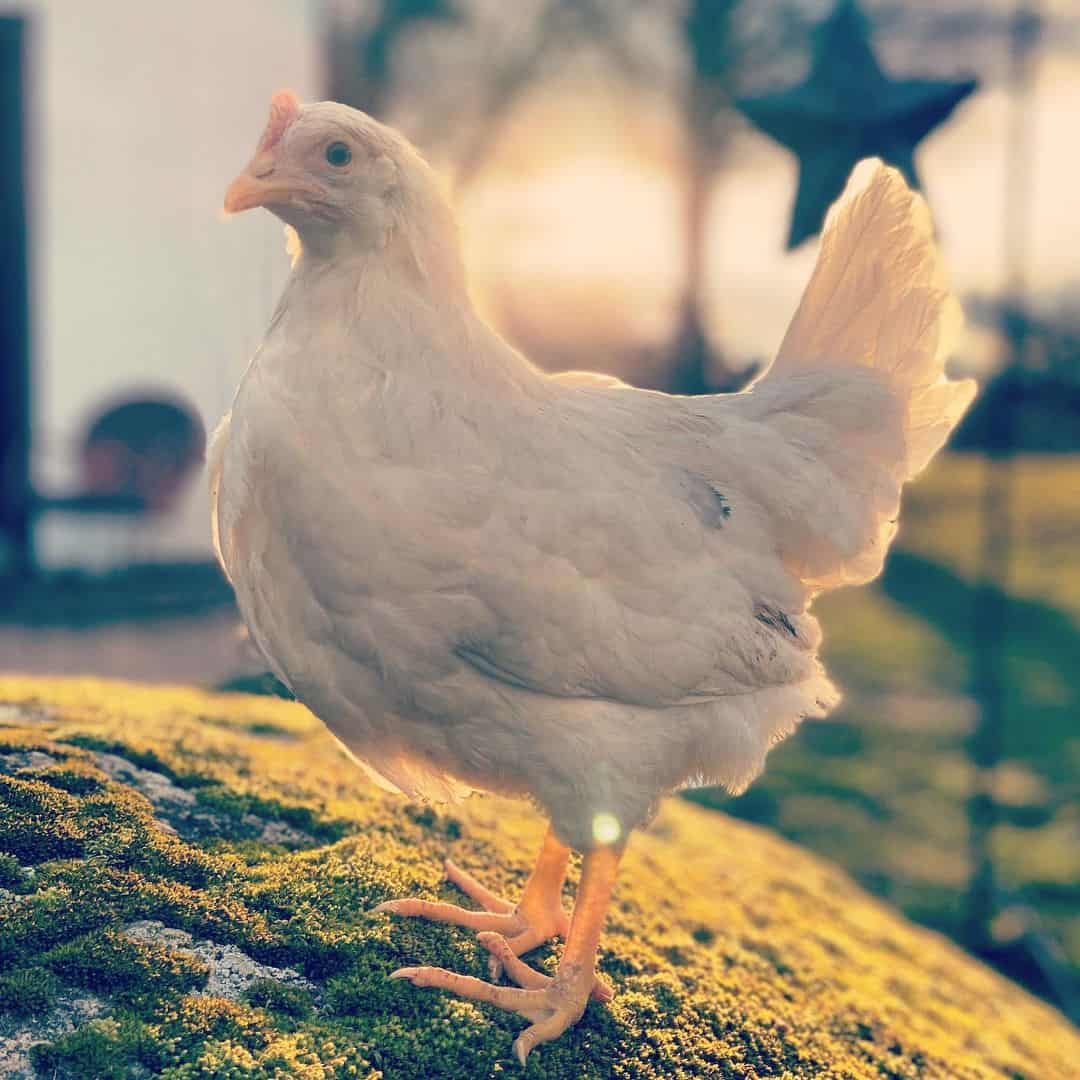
[538,917]
[552,1004]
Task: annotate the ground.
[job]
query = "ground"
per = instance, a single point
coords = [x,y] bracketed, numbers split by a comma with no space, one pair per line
[187,886]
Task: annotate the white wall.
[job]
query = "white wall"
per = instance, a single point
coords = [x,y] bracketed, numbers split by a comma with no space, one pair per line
[140,115]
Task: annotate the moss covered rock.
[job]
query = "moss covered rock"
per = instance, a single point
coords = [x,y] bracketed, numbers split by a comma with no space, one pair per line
[160,842]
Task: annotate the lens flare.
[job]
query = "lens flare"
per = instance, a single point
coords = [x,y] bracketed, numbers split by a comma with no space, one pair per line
[606,828]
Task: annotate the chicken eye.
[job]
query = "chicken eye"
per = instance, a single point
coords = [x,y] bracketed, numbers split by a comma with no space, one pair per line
[338,154]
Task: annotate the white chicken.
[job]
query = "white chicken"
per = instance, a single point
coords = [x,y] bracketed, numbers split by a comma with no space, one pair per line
[482,576]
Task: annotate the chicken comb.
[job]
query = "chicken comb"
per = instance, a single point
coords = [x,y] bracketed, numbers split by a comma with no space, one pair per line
[284,109]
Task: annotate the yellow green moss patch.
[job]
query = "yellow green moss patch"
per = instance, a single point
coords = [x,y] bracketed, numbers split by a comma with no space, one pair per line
[733,953]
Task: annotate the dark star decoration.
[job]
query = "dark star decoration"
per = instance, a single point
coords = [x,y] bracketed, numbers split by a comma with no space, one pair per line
[848,109]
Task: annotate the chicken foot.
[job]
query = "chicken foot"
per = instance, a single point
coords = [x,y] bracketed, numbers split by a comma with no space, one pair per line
[551,1004]
[538,917]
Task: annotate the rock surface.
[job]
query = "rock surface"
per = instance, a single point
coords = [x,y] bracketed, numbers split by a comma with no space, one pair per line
[231,971]
[236,941]
[18,1037]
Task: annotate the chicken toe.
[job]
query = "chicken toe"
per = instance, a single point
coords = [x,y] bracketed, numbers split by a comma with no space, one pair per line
[517,971]
[434,911]
[553,1007]
[538,917]
[552,1004]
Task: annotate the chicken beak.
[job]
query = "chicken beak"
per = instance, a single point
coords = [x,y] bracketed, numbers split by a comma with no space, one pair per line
[256,185]
[248,191]
[275,191]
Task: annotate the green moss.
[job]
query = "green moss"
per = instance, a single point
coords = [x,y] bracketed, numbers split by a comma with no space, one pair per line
[73,776]
[12,876]
[99,1050]
[188,1025]
[291,1001]
[238,804]
[89,817]
[733,954]
[133,973]
[28,991]
[143,757]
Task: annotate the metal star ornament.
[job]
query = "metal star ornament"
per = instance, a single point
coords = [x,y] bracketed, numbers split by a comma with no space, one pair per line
[848,109]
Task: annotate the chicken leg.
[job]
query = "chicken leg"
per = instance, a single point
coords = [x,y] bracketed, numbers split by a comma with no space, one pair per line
[552,1004]
[538,917]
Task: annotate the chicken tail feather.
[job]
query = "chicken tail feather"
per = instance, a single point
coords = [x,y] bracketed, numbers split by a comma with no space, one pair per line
[879,298]
[860,374]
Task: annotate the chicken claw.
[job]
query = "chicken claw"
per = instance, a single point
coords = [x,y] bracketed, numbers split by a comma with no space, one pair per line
[479,892]
[413,908]
[527,977]
[536,919]
[522,927]
[551,1004]
[558,1005]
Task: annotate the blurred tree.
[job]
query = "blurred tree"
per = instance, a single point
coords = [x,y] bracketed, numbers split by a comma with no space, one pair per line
[1040,390]
[360,57]
[727,44]
[722,42]
[731,49]
[16,498]
[517,53]
[708,38]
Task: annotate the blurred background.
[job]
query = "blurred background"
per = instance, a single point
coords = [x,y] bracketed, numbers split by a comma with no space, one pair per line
[640,185]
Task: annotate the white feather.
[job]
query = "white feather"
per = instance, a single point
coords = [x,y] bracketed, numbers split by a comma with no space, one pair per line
[214,455]
[481,576]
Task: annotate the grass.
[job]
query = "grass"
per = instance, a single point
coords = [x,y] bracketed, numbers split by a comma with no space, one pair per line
[734,954]
[882,787]
[80,599]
